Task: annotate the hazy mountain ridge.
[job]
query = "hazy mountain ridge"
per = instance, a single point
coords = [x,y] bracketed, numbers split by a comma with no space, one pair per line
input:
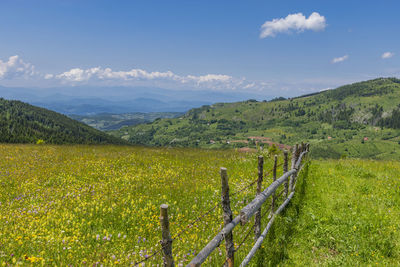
[90,100]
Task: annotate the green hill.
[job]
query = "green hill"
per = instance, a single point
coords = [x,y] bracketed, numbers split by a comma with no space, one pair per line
[356,120]
[24,123]
[108,121]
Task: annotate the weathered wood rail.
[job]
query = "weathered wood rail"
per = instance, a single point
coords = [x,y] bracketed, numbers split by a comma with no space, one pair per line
[289,179]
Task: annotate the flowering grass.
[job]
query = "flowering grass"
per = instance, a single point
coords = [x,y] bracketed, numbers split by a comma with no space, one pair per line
[85,205]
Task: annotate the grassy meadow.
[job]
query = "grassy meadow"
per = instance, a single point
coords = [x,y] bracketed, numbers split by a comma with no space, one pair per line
[85,205]
[93,205]
[346,213]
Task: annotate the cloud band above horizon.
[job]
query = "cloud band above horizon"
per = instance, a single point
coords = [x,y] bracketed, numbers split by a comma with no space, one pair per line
[15,67]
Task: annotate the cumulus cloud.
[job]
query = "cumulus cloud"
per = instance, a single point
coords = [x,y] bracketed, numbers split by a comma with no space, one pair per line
[340,59]
[293,22]
[78,75]
[15,67]
[98,73]
[387,55]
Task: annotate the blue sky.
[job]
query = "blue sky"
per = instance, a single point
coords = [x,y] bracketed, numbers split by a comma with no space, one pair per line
[198,45]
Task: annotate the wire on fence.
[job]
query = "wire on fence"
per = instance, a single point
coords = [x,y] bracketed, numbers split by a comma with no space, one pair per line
[267,173]
[252,183]
[242,241]
[266,211]
[244,188]
[190,225]
[245,238]
[148,257]
[179,234]
[248,234]
[280,194]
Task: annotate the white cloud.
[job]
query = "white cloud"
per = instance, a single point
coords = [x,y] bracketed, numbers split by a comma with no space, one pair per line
[387,55]
[339,59]
[15,67]
[297,22]
[48,76]
[78,75]
[98,73]
[210,78]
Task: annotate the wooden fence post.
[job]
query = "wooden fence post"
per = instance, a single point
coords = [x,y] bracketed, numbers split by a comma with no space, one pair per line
[285,169]
[298,152]
[257,216]
[294,159]
[227,214]
[166,241]
[274,178]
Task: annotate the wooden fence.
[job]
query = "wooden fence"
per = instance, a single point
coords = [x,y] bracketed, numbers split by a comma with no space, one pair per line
[288,179]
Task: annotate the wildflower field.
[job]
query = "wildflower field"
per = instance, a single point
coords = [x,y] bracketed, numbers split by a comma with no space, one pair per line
[99,205]
[85,205]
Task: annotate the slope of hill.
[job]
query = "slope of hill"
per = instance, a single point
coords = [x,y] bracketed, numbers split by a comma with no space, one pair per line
[107,121]
[24,123]
[358,120]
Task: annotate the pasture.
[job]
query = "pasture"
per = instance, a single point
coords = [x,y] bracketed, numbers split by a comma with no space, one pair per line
[93,205]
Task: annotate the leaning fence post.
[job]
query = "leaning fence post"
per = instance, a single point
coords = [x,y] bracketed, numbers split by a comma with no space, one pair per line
[285,169]
[257,216]
[294,159]
[166,241]
[227,213]
[274,178]
[298,151]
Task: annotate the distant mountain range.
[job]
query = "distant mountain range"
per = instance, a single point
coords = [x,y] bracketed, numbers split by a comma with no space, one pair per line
[86,100]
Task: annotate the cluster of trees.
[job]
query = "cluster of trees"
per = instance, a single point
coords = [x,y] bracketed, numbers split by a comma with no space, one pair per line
[339,116]
[392,121]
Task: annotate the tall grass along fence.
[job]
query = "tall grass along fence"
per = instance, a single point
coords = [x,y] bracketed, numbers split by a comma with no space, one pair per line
[254,208]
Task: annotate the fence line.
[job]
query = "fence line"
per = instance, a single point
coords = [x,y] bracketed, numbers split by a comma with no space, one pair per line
[197,219]
[249,210]
[288,178]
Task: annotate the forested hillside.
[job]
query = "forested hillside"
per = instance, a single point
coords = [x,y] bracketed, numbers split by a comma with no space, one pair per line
[24,123]
[359,120]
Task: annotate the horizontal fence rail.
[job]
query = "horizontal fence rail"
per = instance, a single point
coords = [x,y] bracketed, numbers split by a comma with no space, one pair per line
[259,241]
[247,212]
